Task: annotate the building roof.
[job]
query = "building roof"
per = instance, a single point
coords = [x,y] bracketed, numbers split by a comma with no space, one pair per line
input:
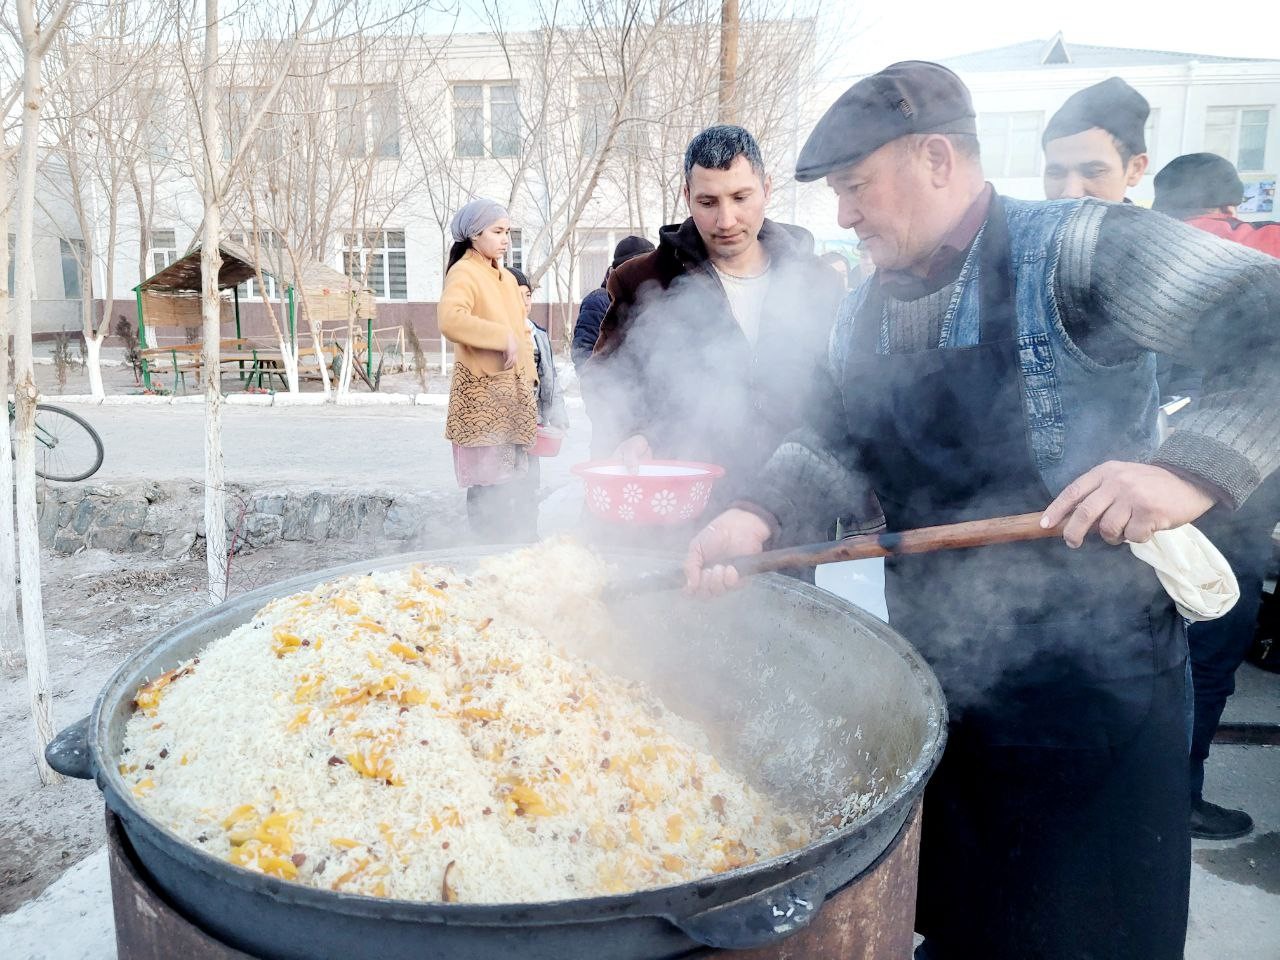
[1056,52]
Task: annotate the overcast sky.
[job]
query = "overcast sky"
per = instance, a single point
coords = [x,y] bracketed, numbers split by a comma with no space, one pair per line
[880,33]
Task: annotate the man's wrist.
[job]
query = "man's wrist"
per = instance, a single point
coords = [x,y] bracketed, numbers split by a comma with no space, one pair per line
[771,525]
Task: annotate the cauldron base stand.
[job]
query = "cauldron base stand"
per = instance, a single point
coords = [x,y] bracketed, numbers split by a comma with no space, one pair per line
[870,919]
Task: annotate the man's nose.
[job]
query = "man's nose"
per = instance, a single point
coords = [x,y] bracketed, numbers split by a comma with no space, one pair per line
[1072,187]
[847,214]
[725,217]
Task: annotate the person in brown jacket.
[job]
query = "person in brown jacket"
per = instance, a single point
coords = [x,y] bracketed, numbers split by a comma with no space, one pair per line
[492,400]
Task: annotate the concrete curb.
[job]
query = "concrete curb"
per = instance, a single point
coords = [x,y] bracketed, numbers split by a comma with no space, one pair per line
[266,400]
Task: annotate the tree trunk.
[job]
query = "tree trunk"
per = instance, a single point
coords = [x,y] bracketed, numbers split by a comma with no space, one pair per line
[289,357]
[26,394]
[93,360]
[728,61]
[317,337]
[10,640]
[215,523]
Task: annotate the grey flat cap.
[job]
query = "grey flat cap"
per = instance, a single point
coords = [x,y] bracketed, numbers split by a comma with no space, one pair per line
[914,96]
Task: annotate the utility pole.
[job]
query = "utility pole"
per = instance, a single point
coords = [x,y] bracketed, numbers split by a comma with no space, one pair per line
[728,61]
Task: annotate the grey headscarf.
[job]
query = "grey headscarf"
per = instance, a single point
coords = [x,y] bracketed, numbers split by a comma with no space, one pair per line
[474,216]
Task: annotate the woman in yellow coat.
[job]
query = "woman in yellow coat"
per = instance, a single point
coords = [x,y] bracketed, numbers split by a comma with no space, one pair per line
[492,399]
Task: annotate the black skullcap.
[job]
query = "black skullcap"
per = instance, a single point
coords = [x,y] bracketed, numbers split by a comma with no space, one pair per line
[1195,182]
[909,97]
[521,279]
[1112,105]
[629,247]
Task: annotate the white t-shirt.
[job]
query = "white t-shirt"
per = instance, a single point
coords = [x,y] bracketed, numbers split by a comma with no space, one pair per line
[746,300]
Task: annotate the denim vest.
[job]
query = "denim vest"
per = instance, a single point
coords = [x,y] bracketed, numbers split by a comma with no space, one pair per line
[1079,412]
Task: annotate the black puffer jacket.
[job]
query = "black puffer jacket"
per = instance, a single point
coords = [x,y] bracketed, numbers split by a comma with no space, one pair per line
[671,362]
[585,332]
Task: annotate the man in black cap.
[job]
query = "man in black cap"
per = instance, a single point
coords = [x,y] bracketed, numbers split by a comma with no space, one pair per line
[1203,190]
[1095,145]
[1001,361]
[707,349]
[592,309]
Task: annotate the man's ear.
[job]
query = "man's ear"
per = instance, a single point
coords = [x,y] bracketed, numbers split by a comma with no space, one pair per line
[685,193]
[768,188]
[940,157]
[1138,164]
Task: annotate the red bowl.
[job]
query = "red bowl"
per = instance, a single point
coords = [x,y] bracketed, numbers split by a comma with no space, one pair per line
[664,492]
[547,443]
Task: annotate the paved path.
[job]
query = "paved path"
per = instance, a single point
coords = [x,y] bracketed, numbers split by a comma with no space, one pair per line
[402,447]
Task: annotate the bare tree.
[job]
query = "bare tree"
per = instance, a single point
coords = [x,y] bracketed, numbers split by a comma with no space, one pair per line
[37,36]
[92,117]
[10,641]
[273,63]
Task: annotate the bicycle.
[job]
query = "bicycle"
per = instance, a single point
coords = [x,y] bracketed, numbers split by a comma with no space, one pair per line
[67,448]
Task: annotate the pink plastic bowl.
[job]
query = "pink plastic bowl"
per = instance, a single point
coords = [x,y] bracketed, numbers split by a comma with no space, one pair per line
[664,492]
[547,443]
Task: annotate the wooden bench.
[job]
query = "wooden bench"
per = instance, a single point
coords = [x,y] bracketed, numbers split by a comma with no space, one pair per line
[179,359]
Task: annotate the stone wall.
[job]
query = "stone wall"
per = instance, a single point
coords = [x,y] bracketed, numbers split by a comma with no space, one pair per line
[167,519]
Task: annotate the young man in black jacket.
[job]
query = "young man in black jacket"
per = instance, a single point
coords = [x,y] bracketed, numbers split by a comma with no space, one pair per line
[594,305]
[708,348]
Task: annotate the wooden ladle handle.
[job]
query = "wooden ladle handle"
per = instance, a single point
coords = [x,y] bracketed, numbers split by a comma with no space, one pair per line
[950,536]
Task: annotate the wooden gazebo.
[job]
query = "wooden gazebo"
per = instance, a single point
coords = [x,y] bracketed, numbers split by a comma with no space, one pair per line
[171,298]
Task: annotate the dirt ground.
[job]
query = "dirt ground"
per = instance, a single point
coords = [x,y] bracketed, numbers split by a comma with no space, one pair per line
[99,607]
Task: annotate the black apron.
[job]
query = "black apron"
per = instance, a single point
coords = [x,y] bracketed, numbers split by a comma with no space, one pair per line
[1056,824]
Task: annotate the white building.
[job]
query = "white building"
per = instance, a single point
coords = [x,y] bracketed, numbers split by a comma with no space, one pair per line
[448,118]
[1198,103]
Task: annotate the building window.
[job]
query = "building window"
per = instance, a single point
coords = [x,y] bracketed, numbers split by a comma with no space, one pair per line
[73,268]
[368,121]
[468,120]
[1239,134]
[595,253]
[595,113]
[1149,133]
[1010,143]
[486,120]
[504,120]
[635,128]
[268,143]
[271,254]
[164,249]
[157,126]
[515,253]
[376,258]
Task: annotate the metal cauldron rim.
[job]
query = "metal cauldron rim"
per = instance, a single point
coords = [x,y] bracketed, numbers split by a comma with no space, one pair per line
[891,809]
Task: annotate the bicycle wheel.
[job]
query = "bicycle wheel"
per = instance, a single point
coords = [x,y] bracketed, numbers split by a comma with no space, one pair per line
[67,448]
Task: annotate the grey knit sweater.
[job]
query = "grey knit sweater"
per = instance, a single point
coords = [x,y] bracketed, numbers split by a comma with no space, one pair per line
[1128,280]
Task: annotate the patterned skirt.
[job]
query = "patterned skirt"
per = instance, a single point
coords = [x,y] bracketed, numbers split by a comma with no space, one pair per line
[489,466]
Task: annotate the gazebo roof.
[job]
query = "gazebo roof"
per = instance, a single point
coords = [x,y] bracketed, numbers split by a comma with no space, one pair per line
[183,276]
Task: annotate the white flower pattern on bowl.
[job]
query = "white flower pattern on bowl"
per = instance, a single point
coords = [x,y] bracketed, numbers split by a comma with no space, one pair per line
[663,502]
[600,497]
[632,493]
[626,513]
[690,509]
[699,492]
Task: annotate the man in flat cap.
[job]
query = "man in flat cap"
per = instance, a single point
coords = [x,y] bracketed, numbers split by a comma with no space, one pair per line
[1001,361]
[1096,145]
